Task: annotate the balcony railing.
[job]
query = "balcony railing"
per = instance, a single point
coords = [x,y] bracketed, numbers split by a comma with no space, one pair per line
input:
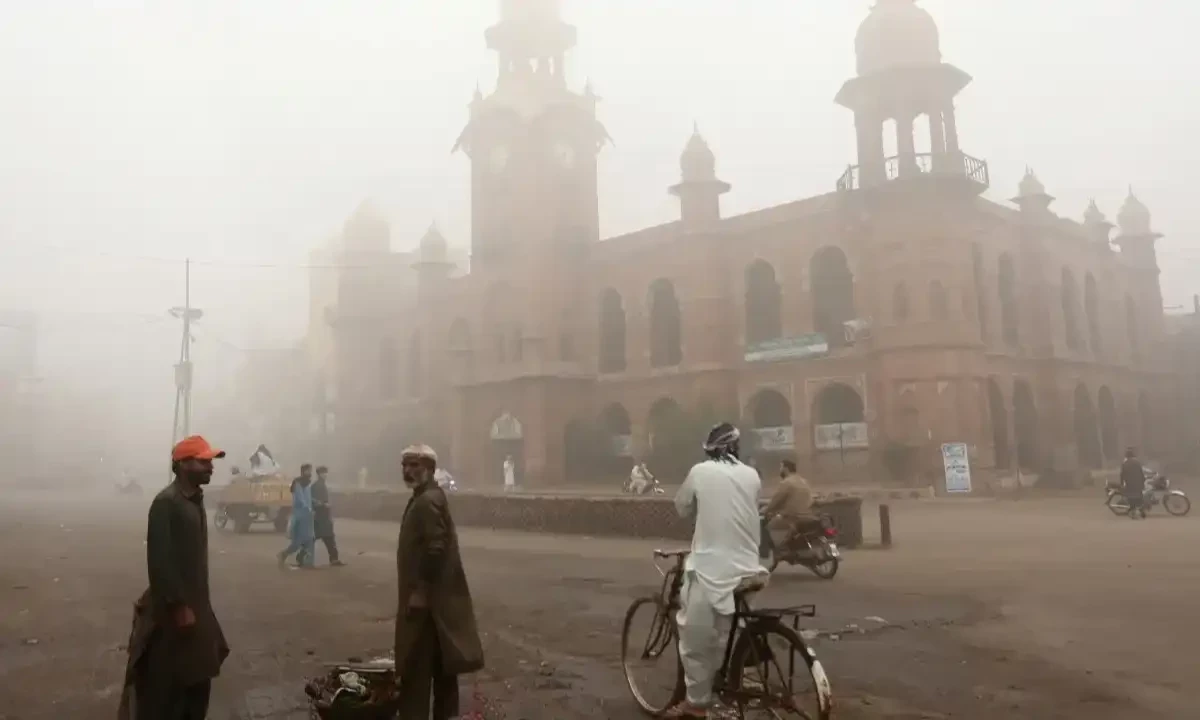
[920,165]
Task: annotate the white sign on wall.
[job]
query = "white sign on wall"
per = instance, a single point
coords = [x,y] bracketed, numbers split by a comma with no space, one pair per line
[776,439]
[622,445]
[956,460]
[842,436]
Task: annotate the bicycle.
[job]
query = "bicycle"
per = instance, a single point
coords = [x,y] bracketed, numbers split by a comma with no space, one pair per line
[747,647]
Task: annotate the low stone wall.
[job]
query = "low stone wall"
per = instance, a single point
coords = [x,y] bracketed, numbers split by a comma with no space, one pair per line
[618,516]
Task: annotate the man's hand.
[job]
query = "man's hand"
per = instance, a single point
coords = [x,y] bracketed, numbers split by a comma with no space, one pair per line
[418,600]
[183,617]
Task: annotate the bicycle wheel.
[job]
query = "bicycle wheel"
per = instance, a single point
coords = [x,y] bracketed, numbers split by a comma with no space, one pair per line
[773,673]
[650,656]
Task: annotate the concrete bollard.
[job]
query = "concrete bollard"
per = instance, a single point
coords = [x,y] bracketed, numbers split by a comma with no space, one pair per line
[885,525]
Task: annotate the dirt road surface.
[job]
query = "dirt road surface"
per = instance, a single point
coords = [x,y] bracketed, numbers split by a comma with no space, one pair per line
[984,609]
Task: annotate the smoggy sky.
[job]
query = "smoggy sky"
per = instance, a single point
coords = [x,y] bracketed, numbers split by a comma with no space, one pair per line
[245,132]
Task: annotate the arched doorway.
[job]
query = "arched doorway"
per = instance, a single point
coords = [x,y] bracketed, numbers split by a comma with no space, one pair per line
[1070,310]
[618,432]
[999,416]
[672,448]
[770,416]
[1087,433]
[508,441]
[612,332]
[1109,437]
[1026,420]
[764,300]
[832,286]
[840,420]
[666,326]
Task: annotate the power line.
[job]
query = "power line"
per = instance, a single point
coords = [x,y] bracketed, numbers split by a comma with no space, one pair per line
[208,263]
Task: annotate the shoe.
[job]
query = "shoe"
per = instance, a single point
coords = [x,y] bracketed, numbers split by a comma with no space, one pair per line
[337,563]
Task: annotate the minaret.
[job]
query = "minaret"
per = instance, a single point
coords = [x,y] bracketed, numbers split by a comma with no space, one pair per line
[1031,194]
[1097,226]
[433,264]
[901,76]
[699,191]
[1135,236]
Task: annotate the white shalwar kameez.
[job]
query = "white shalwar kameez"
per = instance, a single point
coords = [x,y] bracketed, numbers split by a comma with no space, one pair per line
[723,496]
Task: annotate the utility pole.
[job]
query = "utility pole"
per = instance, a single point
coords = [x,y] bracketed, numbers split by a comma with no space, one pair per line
[183,370]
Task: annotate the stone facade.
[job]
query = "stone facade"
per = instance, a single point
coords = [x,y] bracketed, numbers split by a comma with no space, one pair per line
[898,312]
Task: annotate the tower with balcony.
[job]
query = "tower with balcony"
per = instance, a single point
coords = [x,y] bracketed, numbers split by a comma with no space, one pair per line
[901,77]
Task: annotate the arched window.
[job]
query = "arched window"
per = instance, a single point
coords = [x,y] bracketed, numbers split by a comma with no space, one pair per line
[387,369]
[981,306]
[612,332]
[1070,310]
[832,293]
[764,302]
[1025,420]
[1131,324]
[416,366]
[900,302]
[1091,306]
[1009,313]
[666,327]
[939,302]
[839,404]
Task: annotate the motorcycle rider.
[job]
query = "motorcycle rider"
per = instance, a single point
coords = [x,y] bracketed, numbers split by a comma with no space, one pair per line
[639,478]
[1133,482]
[790,505]
[722,494]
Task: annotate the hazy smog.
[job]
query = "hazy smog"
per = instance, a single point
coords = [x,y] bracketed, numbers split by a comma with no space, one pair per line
[917,250]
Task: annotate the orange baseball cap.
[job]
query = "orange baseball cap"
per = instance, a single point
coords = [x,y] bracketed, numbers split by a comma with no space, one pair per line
[195,447]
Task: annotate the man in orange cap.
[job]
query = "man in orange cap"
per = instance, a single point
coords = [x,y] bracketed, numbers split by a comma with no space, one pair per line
[176,647]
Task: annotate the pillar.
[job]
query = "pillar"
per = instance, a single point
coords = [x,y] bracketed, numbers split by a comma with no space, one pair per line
[951,126]
[904,145]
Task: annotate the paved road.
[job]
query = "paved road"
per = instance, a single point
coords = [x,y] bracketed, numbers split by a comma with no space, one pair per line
[1041,609]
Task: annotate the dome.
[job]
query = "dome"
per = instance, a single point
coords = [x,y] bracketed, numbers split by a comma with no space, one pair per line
[897,33]
[1030,186]
[1134,217]
[433,246]
[367,230]
[697,161]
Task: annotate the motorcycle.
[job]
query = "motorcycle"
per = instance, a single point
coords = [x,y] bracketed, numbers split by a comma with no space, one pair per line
[813,545]
[445,481]
[652,487]
[1156,491]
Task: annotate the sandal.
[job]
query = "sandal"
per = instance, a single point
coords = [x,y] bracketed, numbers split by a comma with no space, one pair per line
[683,711]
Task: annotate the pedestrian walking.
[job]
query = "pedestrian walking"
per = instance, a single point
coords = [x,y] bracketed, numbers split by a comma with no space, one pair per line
[510,473]
[300,524]
[176,646]
[436,636]
[323,516]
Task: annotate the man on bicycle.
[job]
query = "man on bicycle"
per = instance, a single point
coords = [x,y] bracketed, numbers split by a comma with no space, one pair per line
[721,493]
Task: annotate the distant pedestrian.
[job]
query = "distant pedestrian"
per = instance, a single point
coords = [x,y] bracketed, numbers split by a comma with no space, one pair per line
[510,473]
[176,646]
[323,516]
[300,524]
[436,636]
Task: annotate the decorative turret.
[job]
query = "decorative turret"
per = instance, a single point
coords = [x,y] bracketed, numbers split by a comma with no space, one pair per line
[366,230]
[1135,234]
[531,40]
[432,262]
[1097,226]
[1031,194]
[699,190]
[901,76]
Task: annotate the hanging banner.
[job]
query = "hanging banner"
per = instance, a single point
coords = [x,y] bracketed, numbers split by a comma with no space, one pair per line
[776,439]
[804,346]
[842,436]
[957,463]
